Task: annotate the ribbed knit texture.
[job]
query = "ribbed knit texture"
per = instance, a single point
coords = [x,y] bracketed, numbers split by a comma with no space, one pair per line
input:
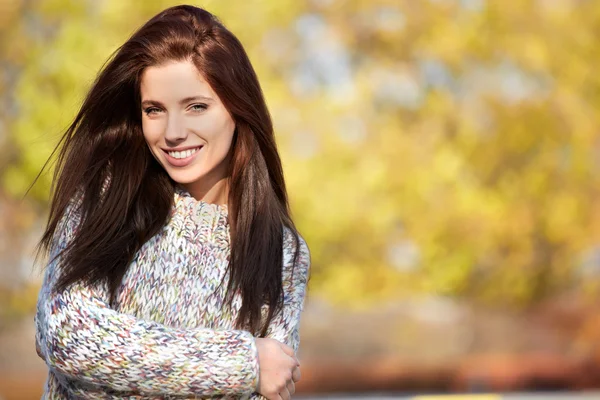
[169,334]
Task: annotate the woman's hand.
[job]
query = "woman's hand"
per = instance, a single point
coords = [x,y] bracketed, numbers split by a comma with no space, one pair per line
[279,369]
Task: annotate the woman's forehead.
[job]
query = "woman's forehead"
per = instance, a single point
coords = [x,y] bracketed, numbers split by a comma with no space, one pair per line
[174,81]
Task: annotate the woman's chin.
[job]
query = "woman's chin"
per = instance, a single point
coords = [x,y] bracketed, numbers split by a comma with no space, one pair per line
[185,179]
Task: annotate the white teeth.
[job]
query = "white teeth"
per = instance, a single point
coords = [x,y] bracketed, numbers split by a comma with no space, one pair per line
[183,154]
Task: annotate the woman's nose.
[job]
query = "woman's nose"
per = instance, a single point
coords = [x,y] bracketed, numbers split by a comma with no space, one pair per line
[176,131]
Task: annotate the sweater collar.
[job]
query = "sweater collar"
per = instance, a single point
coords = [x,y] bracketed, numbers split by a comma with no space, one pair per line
[182,195]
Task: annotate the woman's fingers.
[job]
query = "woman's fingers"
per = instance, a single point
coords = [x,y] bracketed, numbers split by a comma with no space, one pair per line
[285,394]
[289,390]
[296,374]
[288,350]
[291,387]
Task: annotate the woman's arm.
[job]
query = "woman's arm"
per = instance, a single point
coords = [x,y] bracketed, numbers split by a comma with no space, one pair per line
[285,325]
[81,337]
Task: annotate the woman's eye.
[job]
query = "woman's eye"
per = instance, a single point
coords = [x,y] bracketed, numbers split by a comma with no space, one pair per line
[151,110]
[198,107]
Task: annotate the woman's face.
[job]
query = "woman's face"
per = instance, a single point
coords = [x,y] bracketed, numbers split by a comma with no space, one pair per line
[186,126]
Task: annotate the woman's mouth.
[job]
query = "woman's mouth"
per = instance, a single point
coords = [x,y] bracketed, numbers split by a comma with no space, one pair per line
[182,158]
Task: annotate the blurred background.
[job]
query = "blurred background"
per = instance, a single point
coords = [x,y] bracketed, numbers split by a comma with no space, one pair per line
[443,163]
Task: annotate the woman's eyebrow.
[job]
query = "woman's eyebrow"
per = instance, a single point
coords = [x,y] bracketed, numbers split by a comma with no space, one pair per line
[185,100]
[194,98]
[147,103]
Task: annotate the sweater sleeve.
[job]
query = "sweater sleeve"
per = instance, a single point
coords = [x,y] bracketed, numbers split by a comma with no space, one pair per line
[80,337]
[285,325]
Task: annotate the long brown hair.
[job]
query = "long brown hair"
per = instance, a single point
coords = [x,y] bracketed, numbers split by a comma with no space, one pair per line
[105,143]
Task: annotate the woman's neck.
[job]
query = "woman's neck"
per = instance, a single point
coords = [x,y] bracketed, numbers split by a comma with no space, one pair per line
[215,193]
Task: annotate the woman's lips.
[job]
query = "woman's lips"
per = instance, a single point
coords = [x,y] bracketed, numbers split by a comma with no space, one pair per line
[182,162]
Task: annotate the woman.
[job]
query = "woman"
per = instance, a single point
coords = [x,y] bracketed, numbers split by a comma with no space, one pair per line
[175,268]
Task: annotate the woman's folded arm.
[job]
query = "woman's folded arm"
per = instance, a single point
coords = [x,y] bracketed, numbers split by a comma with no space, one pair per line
[81,337]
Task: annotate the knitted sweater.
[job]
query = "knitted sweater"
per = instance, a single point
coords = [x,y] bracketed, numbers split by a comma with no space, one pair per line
[168,335]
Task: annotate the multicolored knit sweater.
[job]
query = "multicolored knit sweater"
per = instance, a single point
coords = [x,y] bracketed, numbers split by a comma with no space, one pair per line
[169,334]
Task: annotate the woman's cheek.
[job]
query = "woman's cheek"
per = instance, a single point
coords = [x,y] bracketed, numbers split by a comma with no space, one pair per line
[151,133]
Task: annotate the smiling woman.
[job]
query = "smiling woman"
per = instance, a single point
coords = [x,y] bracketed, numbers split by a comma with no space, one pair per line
[175,268]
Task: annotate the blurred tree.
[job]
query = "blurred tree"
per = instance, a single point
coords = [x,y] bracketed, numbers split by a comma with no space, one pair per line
[12,55]
[445,147]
